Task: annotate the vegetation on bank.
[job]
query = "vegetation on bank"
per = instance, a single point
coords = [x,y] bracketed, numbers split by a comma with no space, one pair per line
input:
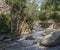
[26,11]
[4,24]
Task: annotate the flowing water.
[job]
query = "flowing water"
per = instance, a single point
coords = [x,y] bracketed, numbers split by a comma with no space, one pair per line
[23,44]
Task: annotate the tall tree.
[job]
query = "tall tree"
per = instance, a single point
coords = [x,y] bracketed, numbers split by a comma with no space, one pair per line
[49,9]
[22,11]
[32,10]
[17,8]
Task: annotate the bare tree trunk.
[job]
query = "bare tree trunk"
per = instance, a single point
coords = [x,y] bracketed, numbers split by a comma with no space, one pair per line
[19,25]
[12,24]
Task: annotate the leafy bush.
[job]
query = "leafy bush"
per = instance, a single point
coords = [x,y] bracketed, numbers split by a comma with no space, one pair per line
[4,24]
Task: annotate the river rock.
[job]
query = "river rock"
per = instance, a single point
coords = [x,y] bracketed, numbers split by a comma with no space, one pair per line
[29,38]
[47,32]
[51,39]
[2,37]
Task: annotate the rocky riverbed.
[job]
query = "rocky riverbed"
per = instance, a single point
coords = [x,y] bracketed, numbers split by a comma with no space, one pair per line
[31,42]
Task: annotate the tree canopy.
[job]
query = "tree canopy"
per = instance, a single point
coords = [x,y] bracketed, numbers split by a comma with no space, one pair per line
[22,11]
[28,11]
[50,9]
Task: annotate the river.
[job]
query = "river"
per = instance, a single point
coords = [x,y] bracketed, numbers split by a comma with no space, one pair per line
[22,44]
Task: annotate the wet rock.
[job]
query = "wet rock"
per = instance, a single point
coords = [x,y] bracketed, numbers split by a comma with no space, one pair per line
[51,39]
[2,37]
[48,31]
[29,38]
[8,38]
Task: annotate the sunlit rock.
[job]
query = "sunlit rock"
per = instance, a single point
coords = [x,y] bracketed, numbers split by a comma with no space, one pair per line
[51,39]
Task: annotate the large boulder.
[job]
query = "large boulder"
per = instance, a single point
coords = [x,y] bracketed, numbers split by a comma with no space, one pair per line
[51,40]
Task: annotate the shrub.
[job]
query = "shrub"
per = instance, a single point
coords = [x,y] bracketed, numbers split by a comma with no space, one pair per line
[4,24]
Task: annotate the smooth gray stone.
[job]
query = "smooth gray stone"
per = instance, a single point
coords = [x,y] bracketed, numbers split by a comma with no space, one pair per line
[51,39]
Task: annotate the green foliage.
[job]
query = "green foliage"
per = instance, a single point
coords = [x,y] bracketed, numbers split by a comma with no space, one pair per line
[22,11]
[26,9]
[31,11]
[50,9]
[17,14]
[16,5]
[4,24]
